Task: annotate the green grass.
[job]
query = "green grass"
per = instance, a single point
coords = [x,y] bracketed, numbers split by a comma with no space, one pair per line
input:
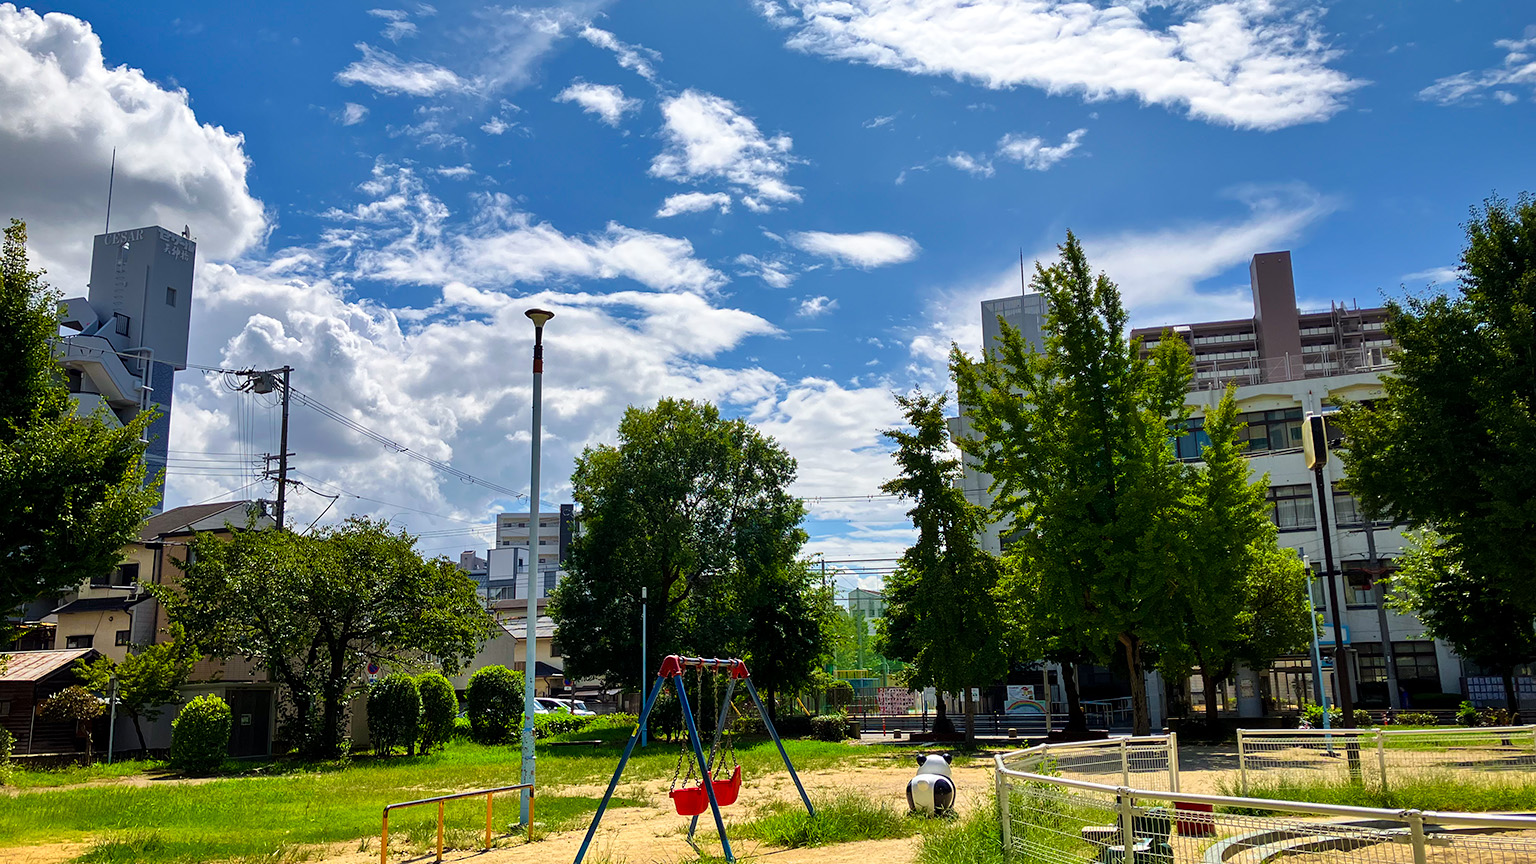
[975,839]
[1430,792]
[847,818]
[282,810]
[70,775]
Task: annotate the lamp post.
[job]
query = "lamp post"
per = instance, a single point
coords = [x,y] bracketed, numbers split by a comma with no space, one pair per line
[530,647]
[644,592]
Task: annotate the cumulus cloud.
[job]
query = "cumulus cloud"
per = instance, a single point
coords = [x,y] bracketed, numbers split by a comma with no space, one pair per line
[495,126]
[865,250]
[709,139]
[353,114]
[389,74]
[605,101]
[693,202]
[1034,152]
[1517,72]
[814,307]
[62,110]
[1252,64]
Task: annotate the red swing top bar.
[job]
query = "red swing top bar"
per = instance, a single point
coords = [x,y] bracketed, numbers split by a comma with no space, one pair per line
[674,664]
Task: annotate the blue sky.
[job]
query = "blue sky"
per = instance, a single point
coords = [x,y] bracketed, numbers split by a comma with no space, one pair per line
[788,208]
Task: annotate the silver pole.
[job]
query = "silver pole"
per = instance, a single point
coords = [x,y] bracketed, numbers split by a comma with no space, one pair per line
[112,723]
[530,661]
[644,592]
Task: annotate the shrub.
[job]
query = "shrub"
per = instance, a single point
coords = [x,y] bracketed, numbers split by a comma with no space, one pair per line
[461,729]
[793,726]
[495,701]
[1466,714]
[748,724]
[200,735]
[830,727]
[74,705]
[1363,718]
[1410,718]
[6,743]
[439,709]
[394,713]
[558,723]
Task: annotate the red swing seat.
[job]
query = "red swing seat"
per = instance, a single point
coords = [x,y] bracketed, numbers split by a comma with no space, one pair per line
[693,800]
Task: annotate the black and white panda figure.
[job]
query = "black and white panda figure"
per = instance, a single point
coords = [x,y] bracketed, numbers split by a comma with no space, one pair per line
[932,791]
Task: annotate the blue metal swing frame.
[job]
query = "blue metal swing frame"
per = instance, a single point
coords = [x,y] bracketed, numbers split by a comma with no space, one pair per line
[672,669]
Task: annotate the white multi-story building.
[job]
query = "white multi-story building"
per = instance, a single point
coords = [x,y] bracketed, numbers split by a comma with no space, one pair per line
[1287,363]
[503,572]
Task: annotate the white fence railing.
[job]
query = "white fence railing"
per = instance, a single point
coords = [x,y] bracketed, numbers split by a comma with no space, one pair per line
[1382,757]
[1048,815]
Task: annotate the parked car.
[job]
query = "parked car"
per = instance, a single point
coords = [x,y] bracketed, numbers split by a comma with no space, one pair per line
[579,708]
[546,705]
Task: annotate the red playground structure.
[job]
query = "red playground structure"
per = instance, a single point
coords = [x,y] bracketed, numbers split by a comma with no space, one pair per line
[710,792]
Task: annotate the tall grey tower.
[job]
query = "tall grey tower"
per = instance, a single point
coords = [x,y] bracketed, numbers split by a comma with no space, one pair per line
[132,330]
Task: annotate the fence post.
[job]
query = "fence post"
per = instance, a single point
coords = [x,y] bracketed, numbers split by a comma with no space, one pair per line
[1381,757]
[1128,825]
[384,839]
[488,797]
[1173,761]
[1004,818]
[1242,763]
[439,830]
[1125,761]
[1416,835]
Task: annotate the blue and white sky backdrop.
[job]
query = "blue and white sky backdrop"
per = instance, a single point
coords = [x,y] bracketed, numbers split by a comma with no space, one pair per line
[789,208]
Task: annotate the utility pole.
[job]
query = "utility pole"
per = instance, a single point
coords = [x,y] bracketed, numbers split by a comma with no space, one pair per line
[1314,447]
[265,381]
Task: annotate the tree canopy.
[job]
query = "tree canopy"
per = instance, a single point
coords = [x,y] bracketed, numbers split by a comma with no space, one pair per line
[1451,446]
[696,509]
[147,680]
[72,489]
[940,613]
[315,610]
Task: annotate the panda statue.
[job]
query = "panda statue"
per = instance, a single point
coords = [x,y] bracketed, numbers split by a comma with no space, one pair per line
[932,791]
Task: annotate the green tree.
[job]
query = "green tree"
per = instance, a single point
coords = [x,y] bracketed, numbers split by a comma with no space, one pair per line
[1451,446]
[940,613]
[76,705]
[494,700]
[316,610]
[394,714]
[148,679]
[439,707]
[783,636]
[696,509]
[72,489]
[1232,556]
[1076,440]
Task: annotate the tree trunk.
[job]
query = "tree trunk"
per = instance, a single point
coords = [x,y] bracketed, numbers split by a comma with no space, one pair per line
[1511,698]
[942,725]
[139,730]
[970,717]
[1077,720]
[1208,681]
[1141,723]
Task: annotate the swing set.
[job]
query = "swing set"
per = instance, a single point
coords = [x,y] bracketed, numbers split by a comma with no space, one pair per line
[710,790]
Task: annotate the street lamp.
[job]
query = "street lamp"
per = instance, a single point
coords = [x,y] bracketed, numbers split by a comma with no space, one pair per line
[644,591]
[539,317]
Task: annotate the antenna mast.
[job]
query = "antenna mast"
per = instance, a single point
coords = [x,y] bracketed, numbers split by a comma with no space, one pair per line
[1023,284]
[111,178]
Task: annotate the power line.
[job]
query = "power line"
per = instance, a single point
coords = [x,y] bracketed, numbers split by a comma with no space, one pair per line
[390,503]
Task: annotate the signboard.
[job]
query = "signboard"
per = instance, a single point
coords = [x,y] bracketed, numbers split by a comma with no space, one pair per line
[1024,699]
[894,700]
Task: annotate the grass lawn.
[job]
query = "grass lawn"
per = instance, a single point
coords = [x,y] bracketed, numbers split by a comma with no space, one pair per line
[1444,792]
[271,810]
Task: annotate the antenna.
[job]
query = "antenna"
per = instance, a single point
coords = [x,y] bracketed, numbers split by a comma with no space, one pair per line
[1023,285]
[111,178]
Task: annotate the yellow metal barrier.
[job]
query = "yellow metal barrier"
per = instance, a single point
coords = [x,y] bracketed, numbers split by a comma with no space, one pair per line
[489,808]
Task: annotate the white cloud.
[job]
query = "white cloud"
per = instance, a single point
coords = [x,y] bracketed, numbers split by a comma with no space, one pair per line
[877,122]
[1159,272]
[814,307]
[864,250]
[455,172]
[62,110]
[389,74]
[606,101]
[1035,153]
[1255,64]
[693,202]
[632,57]
[776,272]
[353,114]
[1442,276]
[495,126]
[980,166]
[397,25]
[709,139]
[1518,71]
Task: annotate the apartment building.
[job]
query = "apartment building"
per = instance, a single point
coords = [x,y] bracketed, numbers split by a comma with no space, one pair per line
[1285,363]
[503,573]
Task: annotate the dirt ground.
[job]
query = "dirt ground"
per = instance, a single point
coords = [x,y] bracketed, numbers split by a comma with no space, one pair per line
[655,834]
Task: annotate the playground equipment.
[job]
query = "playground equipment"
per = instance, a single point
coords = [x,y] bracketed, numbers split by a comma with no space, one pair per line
[709,792]
[439,800]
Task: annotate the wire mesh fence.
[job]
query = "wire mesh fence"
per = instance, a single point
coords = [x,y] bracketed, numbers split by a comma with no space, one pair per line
[1048,816]
[1145,763]
[1384,758]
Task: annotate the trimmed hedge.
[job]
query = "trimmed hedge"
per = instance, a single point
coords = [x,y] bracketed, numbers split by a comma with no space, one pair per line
[200,735]
[553,725]
[832,727]
[495,702]
[439,710]
[394,714]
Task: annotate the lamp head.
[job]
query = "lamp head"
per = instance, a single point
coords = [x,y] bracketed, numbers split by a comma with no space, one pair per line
[539,316]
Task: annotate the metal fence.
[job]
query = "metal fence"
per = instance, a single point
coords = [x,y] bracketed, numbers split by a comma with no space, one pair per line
[1047,815]
[1379,757]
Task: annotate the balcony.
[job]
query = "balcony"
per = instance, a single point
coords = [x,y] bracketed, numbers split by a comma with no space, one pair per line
[1216,374]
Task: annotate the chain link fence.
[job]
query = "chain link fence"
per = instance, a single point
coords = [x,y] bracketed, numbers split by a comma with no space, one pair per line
[1378,757]
[1048,814]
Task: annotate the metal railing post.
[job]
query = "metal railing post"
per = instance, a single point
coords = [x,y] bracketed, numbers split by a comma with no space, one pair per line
[488,797]
[384,839]
[1381,757]
[1173,761]
[1128,825]
[1242,763]
[439,830]
[1416,835]
[1004,819]
[1125,761]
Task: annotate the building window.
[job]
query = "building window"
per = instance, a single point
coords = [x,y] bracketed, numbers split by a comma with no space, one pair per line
[1373,664]
[1359,590]
[1416,662]
[556,649]
[127,574]
[79,641]
[122,637]
[1191,440]
[1291,507]
[551,579]
[170,296]
[1271,430]
[120,323]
